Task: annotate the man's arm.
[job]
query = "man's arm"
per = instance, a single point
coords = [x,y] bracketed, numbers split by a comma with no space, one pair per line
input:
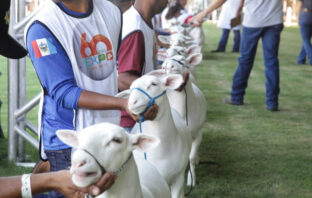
[240,7]
[131,59]
[125,79]
[199,18]
[60,181]
[56,76]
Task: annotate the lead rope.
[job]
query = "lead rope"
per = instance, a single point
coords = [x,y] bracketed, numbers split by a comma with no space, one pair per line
[186,113]
[150,103]
[191,188]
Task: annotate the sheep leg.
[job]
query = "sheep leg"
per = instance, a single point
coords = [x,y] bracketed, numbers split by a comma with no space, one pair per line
[177,186]
[194,159]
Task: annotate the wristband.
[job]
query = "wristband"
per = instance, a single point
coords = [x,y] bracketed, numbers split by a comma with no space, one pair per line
[26,189]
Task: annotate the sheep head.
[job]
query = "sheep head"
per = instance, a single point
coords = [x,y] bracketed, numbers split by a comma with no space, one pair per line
[179,64]
[154,84]
[109,145]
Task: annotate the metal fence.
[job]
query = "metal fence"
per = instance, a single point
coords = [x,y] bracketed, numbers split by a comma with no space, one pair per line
[17,105]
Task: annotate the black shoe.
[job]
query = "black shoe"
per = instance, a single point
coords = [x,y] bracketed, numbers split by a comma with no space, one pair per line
[272,108]
[229,101]
[217,51]
[235,51]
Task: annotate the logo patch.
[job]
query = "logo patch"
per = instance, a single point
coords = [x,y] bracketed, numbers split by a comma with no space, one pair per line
[98,50]
[94,50]
[43,47]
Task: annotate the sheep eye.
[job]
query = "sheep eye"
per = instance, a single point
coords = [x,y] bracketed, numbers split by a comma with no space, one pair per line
[154,84]
[117,140]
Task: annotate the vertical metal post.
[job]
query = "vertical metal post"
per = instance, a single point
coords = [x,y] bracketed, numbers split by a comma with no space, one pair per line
[21,98]
[12,94]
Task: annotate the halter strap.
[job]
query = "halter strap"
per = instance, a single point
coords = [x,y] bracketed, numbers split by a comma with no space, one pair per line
[103,170]
[150,103]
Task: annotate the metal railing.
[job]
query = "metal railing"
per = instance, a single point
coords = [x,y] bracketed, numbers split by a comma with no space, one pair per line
[17,105]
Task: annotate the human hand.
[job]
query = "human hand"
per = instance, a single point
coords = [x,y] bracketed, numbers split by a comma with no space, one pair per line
[63,180]
[150,114]
[197,20]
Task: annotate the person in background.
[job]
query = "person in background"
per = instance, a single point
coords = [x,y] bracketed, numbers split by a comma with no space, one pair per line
[73,50]
[228,12]
[166,24]
[178,13]
[28,185]
[304,12]
[263,20]
[137,53]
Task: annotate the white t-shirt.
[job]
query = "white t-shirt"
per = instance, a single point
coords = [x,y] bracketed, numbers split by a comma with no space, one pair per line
[228,12]
[262,13]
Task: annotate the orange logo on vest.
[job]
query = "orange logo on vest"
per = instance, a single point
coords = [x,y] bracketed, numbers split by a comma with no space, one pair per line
[93,54]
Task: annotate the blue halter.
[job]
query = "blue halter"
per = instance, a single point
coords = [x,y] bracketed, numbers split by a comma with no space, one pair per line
[150,103]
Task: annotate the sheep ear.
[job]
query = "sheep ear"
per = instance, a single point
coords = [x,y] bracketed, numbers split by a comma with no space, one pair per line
[194,59]
[69,137]
[143,142]
[123,94]
[173,81]
[159,73]
[193,49]
[164,39]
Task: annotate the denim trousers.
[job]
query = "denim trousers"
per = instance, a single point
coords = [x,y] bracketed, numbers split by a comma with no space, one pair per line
[305,24]
[224,39]
[270,36]
[59,160]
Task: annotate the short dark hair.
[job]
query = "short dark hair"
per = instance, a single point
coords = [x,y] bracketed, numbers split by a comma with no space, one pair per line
[173,10]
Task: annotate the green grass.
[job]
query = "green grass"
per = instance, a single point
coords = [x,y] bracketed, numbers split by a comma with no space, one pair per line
[256,153]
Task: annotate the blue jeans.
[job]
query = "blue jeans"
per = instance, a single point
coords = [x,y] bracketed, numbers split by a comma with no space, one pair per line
[59,160]
[270,43]
[224,38]
[306,34]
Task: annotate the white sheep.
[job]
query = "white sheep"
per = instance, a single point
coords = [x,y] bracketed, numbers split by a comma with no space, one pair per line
[163,54]
[196,33]
[191,104]
[170,157]
[177,39]
[189,57]
[109,146]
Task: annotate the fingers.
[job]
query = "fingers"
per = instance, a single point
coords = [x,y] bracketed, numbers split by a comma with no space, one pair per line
[106,181]
[151,113]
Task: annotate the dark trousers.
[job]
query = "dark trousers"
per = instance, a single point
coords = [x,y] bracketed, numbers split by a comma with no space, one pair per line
[270,43]
[224,39]
[305,24]
[59,160]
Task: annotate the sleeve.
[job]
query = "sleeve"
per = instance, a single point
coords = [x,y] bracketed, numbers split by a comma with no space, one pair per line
[52,66]
[131,55]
